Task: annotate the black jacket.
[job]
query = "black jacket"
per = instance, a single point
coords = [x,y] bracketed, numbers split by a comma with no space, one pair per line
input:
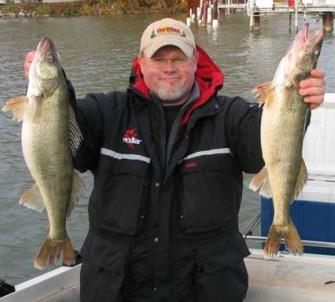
[160,195]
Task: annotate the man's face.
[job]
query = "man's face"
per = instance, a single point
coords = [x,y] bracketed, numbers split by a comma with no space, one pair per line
[169,74]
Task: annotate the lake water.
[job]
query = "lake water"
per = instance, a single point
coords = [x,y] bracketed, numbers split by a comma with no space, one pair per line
[97,53]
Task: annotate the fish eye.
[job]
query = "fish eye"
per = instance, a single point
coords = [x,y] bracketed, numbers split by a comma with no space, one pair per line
[50,57]
[316,52]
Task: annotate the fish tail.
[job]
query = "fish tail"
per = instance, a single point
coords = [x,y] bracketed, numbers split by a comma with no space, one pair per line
[272,243]
[52,250]
[292,240]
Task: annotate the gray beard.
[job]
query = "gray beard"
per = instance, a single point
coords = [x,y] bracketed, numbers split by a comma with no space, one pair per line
[168,95]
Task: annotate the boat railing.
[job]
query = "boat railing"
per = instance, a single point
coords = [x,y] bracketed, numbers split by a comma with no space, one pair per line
[248,231]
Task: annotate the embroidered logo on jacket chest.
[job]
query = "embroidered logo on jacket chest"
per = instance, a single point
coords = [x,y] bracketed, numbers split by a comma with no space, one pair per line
[130,138]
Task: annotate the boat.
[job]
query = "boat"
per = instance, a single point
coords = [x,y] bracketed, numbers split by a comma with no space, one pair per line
[58,285]
[309,278]
[289,278]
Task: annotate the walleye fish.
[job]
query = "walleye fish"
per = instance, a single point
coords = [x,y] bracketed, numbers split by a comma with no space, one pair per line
[283,127]
[49,135]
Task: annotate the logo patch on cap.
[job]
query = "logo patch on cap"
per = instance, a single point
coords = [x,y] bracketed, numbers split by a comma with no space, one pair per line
[167,30]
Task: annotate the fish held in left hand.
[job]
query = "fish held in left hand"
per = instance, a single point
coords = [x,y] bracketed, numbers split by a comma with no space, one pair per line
[282,131]
[50,136]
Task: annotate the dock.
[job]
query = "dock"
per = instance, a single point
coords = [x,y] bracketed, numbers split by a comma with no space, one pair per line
[210,11]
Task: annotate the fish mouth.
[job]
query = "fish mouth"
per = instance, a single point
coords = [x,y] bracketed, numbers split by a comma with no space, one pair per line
[314,40]
[46,51]
[304,32]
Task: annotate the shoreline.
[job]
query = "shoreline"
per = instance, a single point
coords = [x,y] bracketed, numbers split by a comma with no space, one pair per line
[77,9]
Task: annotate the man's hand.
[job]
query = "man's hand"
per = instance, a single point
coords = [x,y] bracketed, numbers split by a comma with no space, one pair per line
[27,62]
[313,88]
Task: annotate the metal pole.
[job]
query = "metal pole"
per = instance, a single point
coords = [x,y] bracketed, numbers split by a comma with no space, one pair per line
[252,224]
[251,15]
[296,15]
[209,13]
[311,243]
[289,22]
[257,21]
[201,12]
[327,23]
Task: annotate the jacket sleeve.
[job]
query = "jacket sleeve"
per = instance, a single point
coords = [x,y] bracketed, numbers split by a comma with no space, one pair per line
[90,120]
[243,131]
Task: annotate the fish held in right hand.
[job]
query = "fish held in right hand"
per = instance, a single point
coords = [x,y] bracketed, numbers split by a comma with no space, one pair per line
[283,127]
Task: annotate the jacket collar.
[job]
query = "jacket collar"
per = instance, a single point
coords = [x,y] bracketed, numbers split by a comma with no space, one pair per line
[208,76]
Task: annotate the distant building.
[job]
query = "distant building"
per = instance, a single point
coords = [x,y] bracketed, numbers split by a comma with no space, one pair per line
[264,3]
[36,1]
[59,1]
[18,1]
[269,3]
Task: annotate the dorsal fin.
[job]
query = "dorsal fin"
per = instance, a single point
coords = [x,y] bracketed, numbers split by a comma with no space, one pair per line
[75,134]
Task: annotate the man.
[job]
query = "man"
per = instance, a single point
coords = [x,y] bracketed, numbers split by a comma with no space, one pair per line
[167,157]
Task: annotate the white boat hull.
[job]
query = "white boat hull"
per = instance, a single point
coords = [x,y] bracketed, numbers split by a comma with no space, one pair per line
[288,278]
[307,278]
[59,285]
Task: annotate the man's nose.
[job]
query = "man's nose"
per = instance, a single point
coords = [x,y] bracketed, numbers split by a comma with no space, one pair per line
[170,61]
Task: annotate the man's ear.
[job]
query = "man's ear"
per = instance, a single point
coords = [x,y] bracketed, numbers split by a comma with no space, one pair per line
[140,62]
[196,60]
[196,56]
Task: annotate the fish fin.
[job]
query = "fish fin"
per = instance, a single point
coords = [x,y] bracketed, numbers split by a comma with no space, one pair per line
[264,92]
[51,250]
[301,179]
[33,199]
[34,103]
[260,182]
[78,188]
[291,238]
[16,106]
[75,134]
[272,243]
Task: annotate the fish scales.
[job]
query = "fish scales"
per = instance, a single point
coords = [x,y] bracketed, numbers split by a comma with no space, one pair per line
[282,130]
[49,135]
[48,157]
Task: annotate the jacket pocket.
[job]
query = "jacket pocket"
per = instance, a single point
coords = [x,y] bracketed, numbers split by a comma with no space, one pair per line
[105,254]
[209,191]
[223,252]
[222,262]
[120,196]
[103,269]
